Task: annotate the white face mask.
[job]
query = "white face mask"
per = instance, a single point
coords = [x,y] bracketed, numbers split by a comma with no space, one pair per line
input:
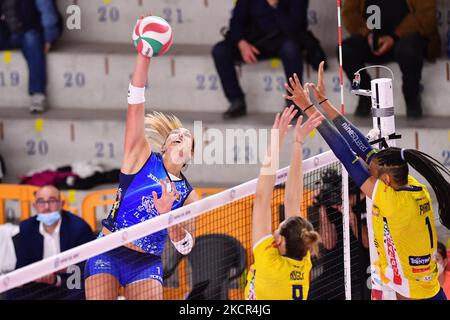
[49,218]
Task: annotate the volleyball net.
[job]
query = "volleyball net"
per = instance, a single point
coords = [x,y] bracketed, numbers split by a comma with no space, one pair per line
[218,264]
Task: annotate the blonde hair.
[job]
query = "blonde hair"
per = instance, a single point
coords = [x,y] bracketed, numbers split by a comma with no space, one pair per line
[300,237]
[158,127]
[311,240]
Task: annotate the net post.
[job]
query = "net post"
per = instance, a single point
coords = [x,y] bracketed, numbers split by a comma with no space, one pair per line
[383,116]
[346,234]
[383,119]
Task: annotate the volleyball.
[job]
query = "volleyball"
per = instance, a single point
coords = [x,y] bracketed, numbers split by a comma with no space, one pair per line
[152,36]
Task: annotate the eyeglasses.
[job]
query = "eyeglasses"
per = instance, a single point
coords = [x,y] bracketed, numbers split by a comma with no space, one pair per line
[51,202]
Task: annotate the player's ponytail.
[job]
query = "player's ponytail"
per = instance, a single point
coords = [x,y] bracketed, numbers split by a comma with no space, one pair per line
[311,240]
[300,238]
[430,168]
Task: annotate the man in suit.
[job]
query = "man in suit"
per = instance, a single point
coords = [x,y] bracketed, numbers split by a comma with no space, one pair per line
[32,26]
[407,35]
[259,30]
[50,232]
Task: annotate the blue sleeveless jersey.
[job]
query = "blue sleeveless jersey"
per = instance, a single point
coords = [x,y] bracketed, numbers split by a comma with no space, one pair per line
[134,202]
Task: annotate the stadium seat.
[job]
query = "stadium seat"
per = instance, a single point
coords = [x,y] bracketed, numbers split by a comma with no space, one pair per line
[216,260]
[92,201]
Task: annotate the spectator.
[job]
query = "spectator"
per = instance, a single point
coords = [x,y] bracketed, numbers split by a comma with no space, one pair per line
[407,35]
[259,30]
[7,233]
[326,216]
[32,26]
[50,232]
[444,274]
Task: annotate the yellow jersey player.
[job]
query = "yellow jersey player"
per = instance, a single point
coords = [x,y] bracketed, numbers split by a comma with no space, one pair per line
[282,261]
[405,237]
[403,220]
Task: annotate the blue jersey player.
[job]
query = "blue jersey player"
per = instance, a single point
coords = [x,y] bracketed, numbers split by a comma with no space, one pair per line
[151,183]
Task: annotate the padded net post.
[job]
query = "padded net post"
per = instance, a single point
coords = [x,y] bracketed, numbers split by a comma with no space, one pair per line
[383,118]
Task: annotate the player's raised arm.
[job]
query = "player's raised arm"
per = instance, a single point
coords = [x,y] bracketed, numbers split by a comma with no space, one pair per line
[294,183]
[354,137]
[337,143]
[262,214]
[137,147]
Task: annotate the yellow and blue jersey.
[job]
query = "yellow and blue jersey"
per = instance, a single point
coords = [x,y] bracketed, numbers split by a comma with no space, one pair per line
[276,277]
[405,239]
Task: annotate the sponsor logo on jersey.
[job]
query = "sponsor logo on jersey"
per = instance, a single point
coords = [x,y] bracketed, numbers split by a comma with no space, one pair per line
[296,276]
[428,278]
[375,241]
[116,204]
[420,270]
[148,206]
[375,211]
[251,287]
[155,179]
[424,208]
[419,261]
[392,255]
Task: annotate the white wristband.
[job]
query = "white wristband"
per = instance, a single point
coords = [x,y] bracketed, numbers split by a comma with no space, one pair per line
[136,95]
[184,246]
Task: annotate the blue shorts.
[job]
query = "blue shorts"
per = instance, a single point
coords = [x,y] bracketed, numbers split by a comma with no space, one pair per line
[127,265]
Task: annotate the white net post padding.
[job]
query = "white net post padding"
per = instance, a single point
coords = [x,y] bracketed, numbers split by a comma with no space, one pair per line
[76,255]
[383,118]
[346,235]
